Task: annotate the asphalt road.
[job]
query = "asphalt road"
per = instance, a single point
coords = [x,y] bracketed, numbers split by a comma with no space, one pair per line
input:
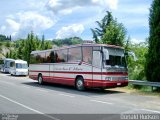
[21,95]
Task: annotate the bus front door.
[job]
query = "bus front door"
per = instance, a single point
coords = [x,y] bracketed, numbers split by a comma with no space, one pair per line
[97,68]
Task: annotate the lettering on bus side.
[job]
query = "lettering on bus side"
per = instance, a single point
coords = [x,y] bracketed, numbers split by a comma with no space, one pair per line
[68,69]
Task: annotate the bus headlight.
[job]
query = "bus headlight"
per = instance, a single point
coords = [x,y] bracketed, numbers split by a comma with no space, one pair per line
[108,78]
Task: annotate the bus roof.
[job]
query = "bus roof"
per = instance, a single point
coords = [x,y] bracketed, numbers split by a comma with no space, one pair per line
[9,59]
[20,61]
[79,45]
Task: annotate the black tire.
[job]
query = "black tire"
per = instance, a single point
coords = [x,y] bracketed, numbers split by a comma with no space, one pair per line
[40,79]
[80,84]
[102,89]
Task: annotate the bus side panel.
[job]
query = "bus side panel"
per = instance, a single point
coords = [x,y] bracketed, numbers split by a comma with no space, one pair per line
[66,73]
[36,69]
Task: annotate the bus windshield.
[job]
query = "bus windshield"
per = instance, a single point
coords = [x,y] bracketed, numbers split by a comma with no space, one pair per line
[116,57]
[21,66]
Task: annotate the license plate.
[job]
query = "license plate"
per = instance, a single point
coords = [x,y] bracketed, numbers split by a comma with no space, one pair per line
[118,83]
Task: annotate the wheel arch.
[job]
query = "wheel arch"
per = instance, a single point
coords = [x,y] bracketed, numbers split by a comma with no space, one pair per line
[40,74]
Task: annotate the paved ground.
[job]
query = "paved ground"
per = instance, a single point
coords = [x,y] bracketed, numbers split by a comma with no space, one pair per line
[21,95]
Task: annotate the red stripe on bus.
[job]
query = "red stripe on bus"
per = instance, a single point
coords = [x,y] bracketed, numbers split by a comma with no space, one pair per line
[88,80]
[94,73]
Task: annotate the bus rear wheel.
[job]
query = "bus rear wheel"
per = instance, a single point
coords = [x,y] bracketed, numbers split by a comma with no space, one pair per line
[40,79]
[80,84]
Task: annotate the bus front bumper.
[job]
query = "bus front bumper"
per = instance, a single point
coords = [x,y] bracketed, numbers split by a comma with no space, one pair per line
[106,84]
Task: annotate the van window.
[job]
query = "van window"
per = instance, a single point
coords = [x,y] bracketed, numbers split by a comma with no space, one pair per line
[21,66]
[12,64]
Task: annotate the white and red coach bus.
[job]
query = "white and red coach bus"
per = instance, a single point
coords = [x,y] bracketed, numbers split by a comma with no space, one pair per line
[83,66]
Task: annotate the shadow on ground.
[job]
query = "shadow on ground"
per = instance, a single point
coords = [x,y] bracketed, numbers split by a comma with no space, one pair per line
[71,89]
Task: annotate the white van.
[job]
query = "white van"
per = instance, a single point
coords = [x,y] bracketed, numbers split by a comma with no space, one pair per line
[18,67]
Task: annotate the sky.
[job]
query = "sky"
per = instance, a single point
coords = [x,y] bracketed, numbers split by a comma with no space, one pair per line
[58,19]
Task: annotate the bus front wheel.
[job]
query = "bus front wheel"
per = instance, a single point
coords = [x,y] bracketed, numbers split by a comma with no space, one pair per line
[40,79]
[80,84]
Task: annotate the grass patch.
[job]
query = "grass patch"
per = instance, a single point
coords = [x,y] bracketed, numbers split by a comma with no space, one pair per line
[143,90]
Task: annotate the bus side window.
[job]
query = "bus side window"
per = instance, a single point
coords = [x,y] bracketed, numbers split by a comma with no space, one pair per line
[12,64]
[53,57]
[75,54]
[61,55]
[43,55]
[38,58]
[57,58]
[33,59]
[97,59]
[87,54]
[48,58]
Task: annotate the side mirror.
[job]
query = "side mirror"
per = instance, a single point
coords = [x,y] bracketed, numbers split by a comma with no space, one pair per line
[106,54]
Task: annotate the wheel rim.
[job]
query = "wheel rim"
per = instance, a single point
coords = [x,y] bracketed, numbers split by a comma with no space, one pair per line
[40,80]
[79,84]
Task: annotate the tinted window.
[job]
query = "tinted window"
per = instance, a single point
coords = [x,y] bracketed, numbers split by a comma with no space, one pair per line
[52,57]
[87,54]
[41,57]
[61,56]
[48,57]
[7,63]
[12,64]
[74,54]
[33,59]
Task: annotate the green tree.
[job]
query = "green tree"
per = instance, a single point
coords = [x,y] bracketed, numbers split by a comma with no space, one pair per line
[47,45]
[109,31]
[76,40]
[1,45]
[7,55]
[14,54]
[10,38]
[2,37]
[10,54]
[8,44]
[115,34]
[38,43]
[32,43]
[42,43]
[102,25]
[136,68]
[57,42]
[67,41]
[152,68]
[20,53]
[22,48]
[30,46]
